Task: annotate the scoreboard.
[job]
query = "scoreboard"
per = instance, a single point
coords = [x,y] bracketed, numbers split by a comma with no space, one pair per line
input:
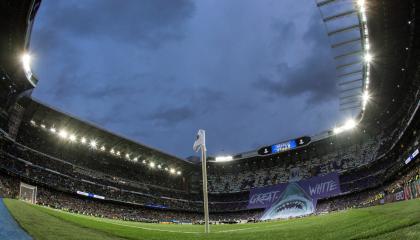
[284,146]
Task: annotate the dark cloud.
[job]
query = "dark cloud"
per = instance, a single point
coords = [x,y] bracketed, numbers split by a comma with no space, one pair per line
[173,116]
[147,22]
[312,79]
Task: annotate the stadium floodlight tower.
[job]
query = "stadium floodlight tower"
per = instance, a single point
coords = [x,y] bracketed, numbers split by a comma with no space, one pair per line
[200,143]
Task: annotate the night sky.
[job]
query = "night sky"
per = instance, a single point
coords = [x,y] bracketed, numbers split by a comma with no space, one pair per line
[249,72]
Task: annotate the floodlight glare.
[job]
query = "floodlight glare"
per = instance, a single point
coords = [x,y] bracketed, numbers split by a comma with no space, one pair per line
[179,172]
[118,153]
[337,130]
[63,133]
[43,126]
[83,140]
[224,158]
[26,63]
[152,164]
[368,57]
[52,130]
[93,143]
[112,151]
[103,148]
[72,137]
[159,166]
[350,124]
[365,97]
[144,161]
[172,170]
[135,159]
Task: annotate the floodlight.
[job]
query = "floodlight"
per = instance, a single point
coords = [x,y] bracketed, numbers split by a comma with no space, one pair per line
[224,158]
[93,143]
[33,122]
[63,133]
[26,63]
[166,169]
[172,170]
[118,153]
[103,148]
[365,97]
[368,57]
[337,130]
[72,137]
[53,130]
[179,172]
[144,161]
[83,140]
[43,126]
[135,159]
[159,166]
[112,151]
[152,164]
[350,124]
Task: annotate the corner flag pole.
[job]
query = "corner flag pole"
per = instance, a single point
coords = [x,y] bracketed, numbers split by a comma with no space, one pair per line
[205,194]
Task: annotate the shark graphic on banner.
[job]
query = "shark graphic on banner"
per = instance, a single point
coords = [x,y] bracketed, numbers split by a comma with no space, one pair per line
[295,198]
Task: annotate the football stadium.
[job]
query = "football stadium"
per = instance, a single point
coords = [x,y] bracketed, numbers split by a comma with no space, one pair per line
[62,177]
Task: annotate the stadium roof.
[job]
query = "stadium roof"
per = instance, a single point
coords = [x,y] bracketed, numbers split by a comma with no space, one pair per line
[43,114]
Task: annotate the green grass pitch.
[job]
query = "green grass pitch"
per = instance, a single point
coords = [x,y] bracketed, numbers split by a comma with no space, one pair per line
[392,221]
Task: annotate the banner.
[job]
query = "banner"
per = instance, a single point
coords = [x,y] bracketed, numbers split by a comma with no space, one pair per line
[293,199]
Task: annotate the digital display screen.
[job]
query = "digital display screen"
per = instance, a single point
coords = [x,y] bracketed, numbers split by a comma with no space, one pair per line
[281,147]
[284,146]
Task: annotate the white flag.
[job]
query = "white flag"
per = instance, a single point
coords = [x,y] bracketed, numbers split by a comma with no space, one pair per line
[200,141]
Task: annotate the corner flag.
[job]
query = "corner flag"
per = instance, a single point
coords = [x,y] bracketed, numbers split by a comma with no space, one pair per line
[200,141]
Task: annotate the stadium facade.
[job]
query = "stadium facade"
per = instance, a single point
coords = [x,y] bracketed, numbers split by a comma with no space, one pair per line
[75,165]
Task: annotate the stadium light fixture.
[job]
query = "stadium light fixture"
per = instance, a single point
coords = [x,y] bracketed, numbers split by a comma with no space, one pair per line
[118,153]
[224,158]
[135,159]
[83,140]
[103,148]
[172,171]
[63,134]
[152,164]
[93,144]
[348,125]
[72,137]
[179,172]
[159,166]
[365,98]
[112,151]
[26,63]
[361,3]
[368,57]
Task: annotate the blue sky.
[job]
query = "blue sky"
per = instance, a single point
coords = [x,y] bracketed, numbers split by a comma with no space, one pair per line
[249,72]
